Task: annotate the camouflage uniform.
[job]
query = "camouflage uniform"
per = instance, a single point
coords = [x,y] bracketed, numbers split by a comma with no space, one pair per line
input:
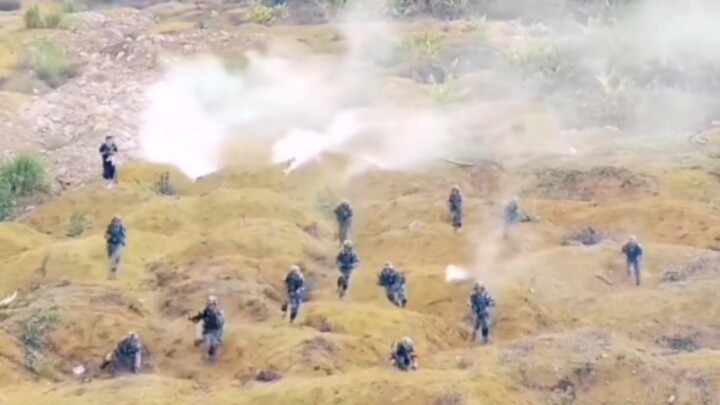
[213,327]
[344,216]
[295,286]
[633,254]
[394,284]
[481,303]
[347,261]
[127,356]
[512,216]
[403,355]
[116,237]
[455,205]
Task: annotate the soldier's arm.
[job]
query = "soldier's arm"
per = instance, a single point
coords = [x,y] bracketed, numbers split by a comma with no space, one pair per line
[196,318]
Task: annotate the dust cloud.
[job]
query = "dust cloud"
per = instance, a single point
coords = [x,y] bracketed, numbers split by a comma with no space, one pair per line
[519,84]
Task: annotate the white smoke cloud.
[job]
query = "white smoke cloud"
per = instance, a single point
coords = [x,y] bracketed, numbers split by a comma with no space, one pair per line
[455,273]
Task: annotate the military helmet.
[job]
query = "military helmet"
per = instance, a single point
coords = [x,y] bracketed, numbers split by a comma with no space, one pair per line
[478,286]
[133,334]
[633,238]
[211,299]
[347,243]
[388,265]
[455,187]
[294,268]
[407,341]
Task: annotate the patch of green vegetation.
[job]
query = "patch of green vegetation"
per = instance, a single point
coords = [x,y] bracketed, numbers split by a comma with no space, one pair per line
[33,336]
[36,18]
[164,186]
[259,13]
[24,175]
[51,63]
[426,46]
[79,223]
[331,7]
[537,56]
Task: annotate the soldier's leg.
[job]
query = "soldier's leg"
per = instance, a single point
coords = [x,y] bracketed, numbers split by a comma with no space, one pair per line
[636,271]
[485,326]
[111,249]
[137,363]
[457,220]
[402,297]
[342,231]
[284,307]
[390,295]
[295,307]
[116,259]
[340,284]
[344,282]
[213,344]
[476,327]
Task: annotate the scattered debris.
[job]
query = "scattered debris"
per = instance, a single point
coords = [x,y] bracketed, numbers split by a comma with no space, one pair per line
[268,376]
[603,279]
[7,301]
[450,398]
[697,265]
[586,237]
[679,343]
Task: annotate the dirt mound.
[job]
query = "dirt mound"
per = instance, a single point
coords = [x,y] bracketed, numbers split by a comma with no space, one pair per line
[235,234]
[593,184]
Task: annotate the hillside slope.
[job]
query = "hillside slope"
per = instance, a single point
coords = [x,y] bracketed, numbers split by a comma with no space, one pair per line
[561,333]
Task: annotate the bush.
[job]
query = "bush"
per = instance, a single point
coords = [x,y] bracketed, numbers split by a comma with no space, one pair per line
[51,64]
[265,15]
[79,223]
[25,174]
[6,199]
[36,19]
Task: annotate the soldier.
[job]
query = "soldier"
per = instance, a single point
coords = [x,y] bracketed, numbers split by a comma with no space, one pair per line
[347,261]
[108,150]
[213,327]
[403,355]
[481,303]
[127,356]
[512,216]
[455,205]
[344,216]
[633,253]
[295,286]
[116,238]
[394,284]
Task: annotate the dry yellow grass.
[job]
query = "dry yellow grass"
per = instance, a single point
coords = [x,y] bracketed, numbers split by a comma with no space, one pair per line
[561,335]
[560,331]
[172,27]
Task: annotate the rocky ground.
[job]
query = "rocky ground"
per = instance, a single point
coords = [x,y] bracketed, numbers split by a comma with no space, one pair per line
[570,328]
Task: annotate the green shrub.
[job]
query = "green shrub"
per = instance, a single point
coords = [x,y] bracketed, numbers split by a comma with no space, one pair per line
[6,199]
[264,15]
[35,19]
[25,174]
[79,223]
[51,63]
